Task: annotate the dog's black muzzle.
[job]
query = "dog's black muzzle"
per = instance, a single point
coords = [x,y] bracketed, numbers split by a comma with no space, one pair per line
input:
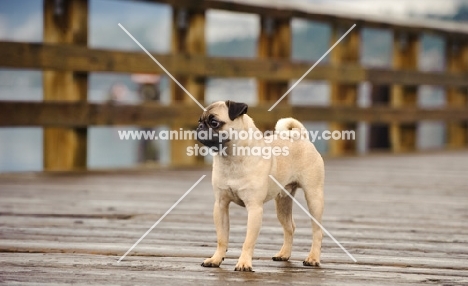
[208,137]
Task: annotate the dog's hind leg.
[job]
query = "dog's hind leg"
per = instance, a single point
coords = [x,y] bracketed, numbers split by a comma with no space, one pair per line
[313,192]
[284,213]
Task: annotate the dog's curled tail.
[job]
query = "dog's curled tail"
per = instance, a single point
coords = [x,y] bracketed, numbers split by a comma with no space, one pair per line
[291,125]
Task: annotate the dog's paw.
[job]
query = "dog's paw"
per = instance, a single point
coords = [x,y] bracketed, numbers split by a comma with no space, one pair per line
[210,262]
[280,258]
[311,262]
[244,266]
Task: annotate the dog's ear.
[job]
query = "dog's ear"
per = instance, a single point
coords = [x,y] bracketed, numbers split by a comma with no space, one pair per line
[236,109]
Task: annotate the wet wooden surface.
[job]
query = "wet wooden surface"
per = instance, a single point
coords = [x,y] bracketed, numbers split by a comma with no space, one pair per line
[404,218]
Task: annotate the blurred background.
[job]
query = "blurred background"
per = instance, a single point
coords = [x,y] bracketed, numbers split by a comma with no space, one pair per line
[227,35]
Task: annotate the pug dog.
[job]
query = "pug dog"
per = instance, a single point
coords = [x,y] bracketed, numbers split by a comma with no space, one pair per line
[245,180]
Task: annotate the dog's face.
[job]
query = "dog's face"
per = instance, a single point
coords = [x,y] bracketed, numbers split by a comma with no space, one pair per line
[219,116]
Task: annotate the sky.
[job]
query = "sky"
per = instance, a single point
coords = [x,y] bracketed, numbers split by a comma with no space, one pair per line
[21,20]
[396,7]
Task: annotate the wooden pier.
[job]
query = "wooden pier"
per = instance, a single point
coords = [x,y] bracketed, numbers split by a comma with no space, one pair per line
[404,218]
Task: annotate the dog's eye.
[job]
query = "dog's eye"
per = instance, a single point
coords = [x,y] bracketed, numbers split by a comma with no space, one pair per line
[214,123]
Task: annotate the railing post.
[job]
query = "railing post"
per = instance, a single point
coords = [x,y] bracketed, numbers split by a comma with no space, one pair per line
[457,62]
[379,134]
[65,22]
[406,48]
[188,37]
[274,43]
[346,52]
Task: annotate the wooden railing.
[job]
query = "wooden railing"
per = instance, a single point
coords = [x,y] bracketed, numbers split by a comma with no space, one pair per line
[66,61]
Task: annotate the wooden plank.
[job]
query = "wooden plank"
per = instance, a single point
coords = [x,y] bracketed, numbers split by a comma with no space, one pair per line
[86,269]
[414,77]
[71,114]
[44,56]
[346,52]
[406,49]
[65,22]
[457,62]
[64,57]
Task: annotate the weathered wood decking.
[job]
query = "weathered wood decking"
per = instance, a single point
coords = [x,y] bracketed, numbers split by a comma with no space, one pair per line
[405,219]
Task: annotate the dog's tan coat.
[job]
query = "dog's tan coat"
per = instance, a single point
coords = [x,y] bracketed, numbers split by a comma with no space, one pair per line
[245,181]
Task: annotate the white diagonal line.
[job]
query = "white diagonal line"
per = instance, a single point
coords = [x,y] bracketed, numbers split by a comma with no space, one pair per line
[312,217]
[160,219]
[162,67]
[316,63]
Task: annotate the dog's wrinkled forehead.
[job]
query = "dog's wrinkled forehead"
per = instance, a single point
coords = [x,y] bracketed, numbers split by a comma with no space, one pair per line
[217,109]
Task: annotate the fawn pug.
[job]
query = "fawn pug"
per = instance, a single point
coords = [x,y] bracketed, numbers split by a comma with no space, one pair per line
[245,180]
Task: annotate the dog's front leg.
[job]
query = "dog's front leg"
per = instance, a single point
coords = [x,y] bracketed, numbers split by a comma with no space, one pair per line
[254,222]
[221,221]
